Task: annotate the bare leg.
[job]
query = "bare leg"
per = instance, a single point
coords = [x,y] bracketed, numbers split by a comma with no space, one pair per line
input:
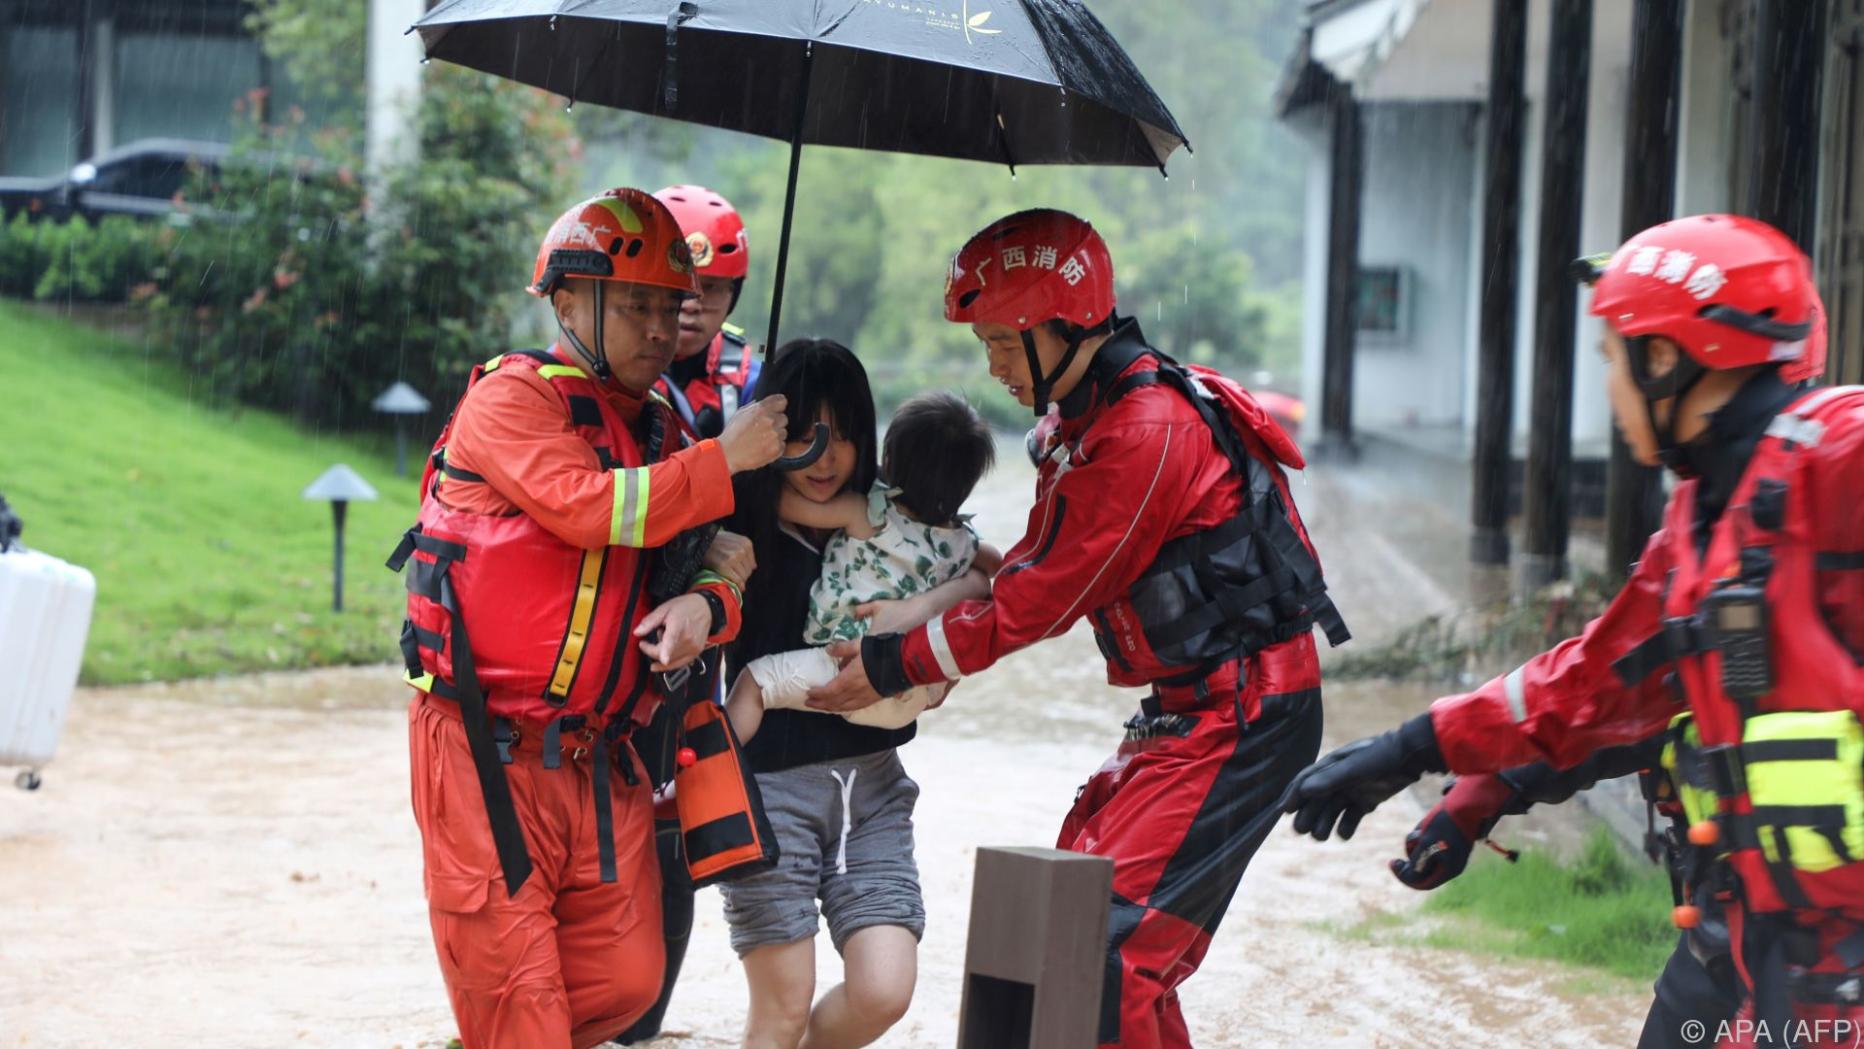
[745,706]
[882,965]
[782,981]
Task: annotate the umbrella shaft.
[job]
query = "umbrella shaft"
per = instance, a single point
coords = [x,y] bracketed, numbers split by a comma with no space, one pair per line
[789,202]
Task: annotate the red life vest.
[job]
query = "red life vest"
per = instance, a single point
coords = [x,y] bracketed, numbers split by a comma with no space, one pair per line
[1249,585]
[1775,746]
[707,403]
[551,624]
[550,645]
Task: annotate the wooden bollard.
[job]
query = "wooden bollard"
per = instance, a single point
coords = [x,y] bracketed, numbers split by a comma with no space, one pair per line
[1037,950]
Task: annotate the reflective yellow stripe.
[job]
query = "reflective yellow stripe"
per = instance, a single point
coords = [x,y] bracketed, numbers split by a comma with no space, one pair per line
[425,682]
[581,615]
[492,365]
[733,329]
[627,522]
[559,371]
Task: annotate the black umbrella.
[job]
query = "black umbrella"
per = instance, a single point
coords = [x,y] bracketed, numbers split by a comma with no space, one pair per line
[1009,81]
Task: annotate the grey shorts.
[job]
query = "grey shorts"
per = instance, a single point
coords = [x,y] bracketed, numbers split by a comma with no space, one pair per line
[845,830]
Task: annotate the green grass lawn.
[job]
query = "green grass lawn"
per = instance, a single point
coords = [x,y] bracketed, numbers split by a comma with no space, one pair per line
[1599,911]
[207,559]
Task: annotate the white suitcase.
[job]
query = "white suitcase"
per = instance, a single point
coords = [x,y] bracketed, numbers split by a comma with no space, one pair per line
[45,614]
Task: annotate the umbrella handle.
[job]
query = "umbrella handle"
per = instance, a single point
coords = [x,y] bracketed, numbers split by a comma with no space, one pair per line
[817,445]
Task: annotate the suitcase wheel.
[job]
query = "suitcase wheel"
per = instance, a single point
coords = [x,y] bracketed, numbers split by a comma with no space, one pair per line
[28,779]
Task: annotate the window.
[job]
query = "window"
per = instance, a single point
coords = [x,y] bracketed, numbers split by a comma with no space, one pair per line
[1383,300]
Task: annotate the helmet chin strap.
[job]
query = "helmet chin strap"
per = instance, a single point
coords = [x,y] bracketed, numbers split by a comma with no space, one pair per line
[1673,385]
[1043,385]
[597,364]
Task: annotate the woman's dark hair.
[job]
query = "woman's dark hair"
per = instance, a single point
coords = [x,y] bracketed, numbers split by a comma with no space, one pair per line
[937,449]
[814,374]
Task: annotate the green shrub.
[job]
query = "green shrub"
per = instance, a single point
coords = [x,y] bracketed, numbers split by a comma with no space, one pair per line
[74,260]
[313,288]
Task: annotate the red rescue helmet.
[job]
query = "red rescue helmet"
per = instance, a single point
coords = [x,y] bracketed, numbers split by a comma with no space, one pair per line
[714,230]
[1730,291]
[623,235]
[1030,267]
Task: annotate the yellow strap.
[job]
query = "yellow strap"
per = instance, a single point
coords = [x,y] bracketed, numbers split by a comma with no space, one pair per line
[560,371]
[734,329]
[627,522]
[708,576]
[582,613]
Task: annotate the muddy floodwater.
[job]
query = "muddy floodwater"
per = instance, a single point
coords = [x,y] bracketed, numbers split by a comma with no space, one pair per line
[233,863]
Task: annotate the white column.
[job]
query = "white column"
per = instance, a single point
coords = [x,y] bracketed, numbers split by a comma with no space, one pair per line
[103,85]
[394,81]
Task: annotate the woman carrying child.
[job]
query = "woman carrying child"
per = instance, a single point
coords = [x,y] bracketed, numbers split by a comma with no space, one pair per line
[837,797]
[904,539]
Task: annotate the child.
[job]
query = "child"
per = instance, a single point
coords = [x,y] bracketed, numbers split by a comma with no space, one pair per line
[898,542]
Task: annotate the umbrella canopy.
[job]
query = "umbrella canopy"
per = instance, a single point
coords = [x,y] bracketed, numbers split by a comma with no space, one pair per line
[1005,81]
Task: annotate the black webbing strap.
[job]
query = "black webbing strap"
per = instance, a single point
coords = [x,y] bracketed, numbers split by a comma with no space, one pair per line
[460,473]
[604,816]
[1789,750]
[1839,560]
[708,740]
[614,748]
[1785,881]
[425,638]
[427,579]
[1798,815]
[403,549]
[507,835]
[732,831]
[411,649]
[1678,637]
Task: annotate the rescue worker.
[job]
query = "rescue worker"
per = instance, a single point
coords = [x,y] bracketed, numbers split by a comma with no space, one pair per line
[1164,518]
[1739,633]
[1698,982]
[533,643]
[714,368]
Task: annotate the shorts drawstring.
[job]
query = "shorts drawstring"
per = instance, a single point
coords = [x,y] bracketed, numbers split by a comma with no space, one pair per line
[847,817]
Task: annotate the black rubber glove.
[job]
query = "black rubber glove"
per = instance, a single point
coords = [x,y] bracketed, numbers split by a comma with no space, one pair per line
[1353,780]
[1438,848]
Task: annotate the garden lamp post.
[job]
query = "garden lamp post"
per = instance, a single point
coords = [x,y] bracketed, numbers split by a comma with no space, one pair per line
[401,401]
[339,485]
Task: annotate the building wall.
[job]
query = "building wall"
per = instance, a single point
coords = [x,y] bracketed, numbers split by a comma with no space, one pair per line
[1416,213]
[1313,132]
[157,68]
[1601,225]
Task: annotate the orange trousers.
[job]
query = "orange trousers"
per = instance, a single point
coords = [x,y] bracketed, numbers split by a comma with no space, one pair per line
[568,961]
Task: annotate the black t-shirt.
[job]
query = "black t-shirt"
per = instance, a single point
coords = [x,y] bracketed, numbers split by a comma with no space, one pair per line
[776,607]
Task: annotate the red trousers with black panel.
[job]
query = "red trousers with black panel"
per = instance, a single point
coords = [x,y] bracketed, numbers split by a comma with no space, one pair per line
[1180,809]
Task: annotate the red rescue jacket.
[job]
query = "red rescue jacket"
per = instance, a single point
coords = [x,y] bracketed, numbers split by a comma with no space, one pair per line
[1770,621]
[1162,515]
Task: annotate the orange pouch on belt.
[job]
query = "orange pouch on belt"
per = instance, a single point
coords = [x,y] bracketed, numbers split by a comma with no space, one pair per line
[722,824]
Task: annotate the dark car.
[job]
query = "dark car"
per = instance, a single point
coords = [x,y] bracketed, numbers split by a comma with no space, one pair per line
[141,179]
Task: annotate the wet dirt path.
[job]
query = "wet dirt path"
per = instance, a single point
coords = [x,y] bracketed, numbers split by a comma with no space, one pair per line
[233,863]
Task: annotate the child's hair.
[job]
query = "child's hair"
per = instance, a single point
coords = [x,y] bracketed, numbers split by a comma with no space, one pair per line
[936,449]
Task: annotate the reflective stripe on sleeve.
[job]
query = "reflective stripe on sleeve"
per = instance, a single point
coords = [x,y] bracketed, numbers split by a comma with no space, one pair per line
[627,523]
[941,648]
[1515,689]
